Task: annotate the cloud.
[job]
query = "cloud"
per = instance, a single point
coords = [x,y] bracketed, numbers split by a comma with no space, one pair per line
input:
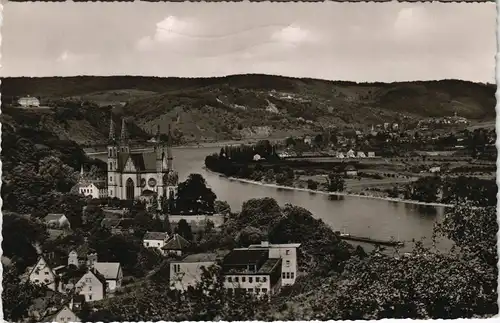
[70,57]
[167,30]
[410,21]
[293,35]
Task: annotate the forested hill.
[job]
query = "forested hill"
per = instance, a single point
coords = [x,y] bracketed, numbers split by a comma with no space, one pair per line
[250,106]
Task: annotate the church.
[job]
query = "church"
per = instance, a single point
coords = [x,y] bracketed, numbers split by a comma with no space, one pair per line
[134,175]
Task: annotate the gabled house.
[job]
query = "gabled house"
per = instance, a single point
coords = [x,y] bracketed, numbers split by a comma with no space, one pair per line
[350,154]
[42,274]
[176,245]
[94,189]
[112,273]
[155,240]
[350,170]
[92,285]
[63,315]
[56,220]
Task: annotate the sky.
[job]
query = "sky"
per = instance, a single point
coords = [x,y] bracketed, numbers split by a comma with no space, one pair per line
[362,42]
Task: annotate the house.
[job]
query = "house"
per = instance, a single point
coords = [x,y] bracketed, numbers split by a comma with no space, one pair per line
[340,155]
[361,154]
[256,157]
[92,285]
[252,271]
[63,315]
[371,154]
[187,272]
[56,220]
[95,190]
[350,154]
[42,274]
[350,170]
[288,253]
[112,273]
[155,240]
[176,245]
[435,169]
[28,102]
[118,226]
[308,140]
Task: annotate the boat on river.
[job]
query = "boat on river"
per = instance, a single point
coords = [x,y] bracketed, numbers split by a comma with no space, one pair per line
[347,236]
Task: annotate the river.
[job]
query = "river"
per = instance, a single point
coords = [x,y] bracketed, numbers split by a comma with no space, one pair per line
[359,216]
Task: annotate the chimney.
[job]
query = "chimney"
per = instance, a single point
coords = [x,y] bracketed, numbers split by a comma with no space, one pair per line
[264,244]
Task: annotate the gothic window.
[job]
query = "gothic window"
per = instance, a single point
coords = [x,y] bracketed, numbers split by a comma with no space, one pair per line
[110,166]
[130,189]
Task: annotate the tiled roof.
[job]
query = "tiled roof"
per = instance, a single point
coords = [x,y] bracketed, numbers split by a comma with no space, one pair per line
[245,256]
[201,257]
[177,242]
[155,236]
[109,270]
[142,161]
[269,265]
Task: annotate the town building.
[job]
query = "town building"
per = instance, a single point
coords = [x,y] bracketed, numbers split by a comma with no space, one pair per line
[350,154]
[288,253]
[252,271]
[62,315]
[371,154]
[42,274]
[95,190]
[92,285]
[361,154]
[155,240]
[130,174]
[188,271]
[177,245]
[350,170]
[111,272]
[56,220]
[28,102]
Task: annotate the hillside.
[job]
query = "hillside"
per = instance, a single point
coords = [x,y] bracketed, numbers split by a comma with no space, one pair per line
[252,106]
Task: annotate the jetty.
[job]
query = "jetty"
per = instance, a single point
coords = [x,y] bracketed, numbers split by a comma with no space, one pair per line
[347,236]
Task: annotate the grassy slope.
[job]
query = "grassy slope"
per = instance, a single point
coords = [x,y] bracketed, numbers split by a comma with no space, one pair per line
[251,106]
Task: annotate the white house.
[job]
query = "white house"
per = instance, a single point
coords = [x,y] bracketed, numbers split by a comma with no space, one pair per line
[92,286]
[112,273]
[252,271]
[187,272]
[155,240]
[42,274]
[371,154]
[350,170]
[288,253]
[93,189]
[435,169]
[361,154]
[56,220]
[340,155]
[256,157]
[350,154]
[63,315]
[29,102]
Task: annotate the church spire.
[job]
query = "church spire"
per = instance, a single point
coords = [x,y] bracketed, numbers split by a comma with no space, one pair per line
[124,133]
[112,133]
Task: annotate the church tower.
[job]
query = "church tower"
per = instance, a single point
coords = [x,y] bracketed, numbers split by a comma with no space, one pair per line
[124,139]
[112,161]
[170,157]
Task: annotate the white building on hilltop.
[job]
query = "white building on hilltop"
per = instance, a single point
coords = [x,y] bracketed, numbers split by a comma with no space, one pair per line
[130,174]
[28,102]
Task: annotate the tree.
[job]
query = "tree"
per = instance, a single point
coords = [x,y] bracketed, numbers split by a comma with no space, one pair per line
[250,235]
[335,183]
[194,196]
[312,185]
[222,207]
[184,229]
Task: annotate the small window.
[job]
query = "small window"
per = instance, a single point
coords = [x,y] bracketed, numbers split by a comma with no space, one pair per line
[264,290]
[110,178]
[287,252]
[229,279]
[46,280]
[257,290]
[90,288]
[250,279]
[46,273]
[90,297]
[292,275]
[236,279]
[147,244]
[264,279]
[283,275]
[250,290]
[37,281]
[110,166]
[257,279]
[288,263]
[287,275]
[243,279]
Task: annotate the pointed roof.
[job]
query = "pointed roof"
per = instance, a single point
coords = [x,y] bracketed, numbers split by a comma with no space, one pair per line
[109,270]
[124,132]
[112,131]
[52,317]
[177,242]
[155,236]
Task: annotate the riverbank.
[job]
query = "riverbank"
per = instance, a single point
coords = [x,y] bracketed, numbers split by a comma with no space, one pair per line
[390,199]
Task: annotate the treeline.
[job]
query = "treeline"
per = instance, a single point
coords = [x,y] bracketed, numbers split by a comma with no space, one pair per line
[451,190]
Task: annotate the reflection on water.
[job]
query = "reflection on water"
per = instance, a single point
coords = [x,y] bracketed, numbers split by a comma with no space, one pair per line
[336,197]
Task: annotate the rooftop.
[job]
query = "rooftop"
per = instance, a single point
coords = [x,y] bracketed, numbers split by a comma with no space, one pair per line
[53,216]
[269,265]
[200,257]
[273,245]
[155,236]
[177,242]
[245,256]
[108,269]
